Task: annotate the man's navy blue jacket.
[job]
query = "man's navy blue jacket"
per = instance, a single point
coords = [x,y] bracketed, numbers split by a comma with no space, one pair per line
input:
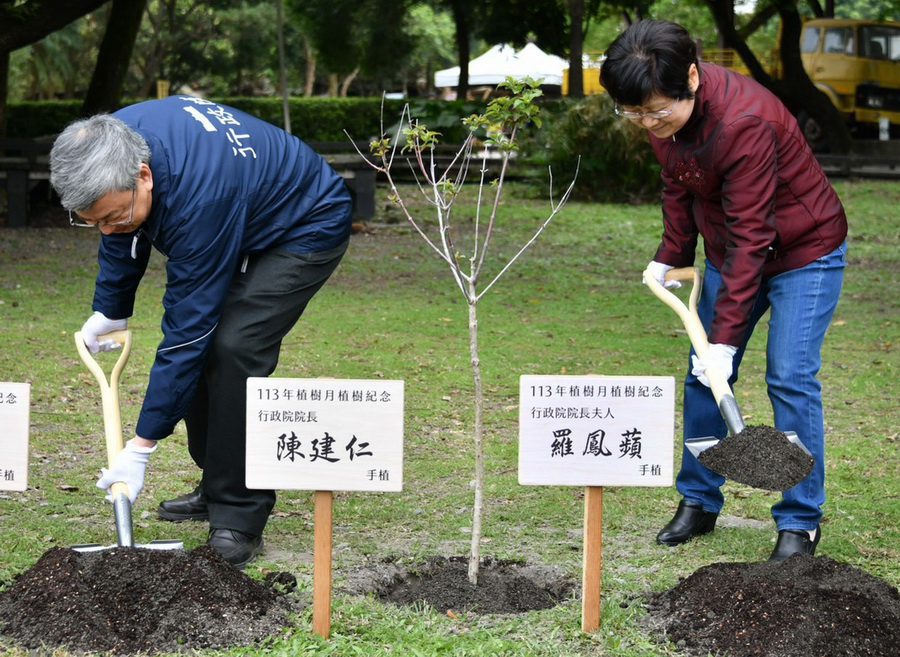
[225,185]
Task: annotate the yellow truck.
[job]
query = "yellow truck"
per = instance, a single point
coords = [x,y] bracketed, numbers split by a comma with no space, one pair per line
[856,63]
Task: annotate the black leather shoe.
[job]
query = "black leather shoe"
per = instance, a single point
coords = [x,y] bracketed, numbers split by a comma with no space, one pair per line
[190,506]
[690,520]
[237,548]
[791,542]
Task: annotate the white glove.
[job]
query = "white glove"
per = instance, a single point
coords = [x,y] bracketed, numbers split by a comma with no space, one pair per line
[128,467]
[658,270]
[720,357]
[99,324]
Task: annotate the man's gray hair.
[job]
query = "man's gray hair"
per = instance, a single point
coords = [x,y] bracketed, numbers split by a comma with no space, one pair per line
[94,157]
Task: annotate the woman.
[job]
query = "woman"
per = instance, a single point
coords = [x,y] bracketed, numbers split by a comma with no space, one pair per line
[737,171]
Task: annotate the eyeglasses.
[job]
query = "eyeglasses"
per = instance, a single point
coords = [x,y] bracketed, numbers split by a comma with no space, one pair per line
[76,221]
[639,116]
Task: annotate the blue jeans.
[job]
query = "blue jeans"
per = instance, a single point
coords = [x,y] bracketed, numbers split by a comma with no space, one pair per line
[802,303]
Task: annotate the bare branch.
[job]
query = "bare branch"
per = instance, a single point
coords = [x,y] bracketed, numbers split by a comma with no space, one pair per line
[555,210]
[496,205]
[399,201]
[484,169]
[450,255]
[365,157]
[444,213]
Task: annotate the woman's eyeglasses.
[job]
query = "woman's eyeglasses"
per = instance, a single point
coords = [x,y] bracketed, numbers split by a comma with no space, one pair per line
[639,116]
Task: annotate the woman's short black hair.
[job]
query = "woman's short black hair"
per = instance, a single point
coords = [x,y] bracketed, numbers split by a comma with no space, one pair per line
[649,58]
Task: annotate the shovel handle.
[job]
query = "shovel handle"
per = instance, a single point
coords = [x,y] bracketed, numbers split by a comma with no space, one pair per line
[109,393]
[718,383]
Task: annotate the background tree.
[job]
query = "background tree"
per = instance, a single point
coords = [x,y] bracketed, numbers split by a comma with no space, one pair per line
[350,38]
[433,34]
[23,22]
[464,18]
[105,91]
[794,87]
[576,48]
[217,47]
[55,66]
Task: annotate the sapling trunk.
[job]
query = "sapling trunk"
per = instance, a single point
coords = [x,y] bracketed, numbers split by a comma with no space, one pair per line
[478,506]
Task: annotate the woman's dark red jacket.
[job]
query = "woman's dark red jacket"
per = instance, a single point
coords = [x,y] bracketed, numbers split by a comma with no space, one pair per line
[741,175]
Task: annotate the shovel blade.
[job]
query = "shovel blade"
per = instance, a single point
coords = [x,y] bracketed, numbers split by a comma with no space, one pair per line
[794,438]
[697,446]
[161,544]
[122,513]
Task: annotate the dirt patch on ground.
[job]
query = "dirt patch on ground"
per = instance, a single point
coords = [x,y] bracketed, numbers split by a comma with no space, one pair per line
[504,587]
[127,600]
[803,606]
[761,457]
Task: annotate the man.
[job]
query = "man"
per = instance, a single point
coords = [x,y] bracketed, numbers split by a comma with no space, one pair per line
[738,172]
[253,223]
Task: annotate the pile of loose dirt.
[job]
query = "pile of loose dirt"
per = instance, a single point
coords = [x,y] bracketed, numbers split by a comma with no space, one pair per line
[504,587]
[761,457]
[127,600]
[802,606]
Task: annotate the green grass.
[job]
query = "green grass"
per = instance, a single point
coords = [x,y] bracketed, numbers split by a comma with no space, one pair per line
[573,305]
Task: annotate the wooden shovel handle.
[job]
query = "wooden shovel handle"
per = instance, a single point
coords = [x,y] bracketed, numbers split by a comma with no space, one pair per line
[684,274]
[718,383]
[109,393]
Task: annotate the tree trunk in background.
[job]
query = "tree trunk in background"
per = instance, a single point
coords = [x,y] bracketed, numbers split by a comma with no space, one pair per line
[795,89]
[731,39]
[30,21]
[105,91]
[4,89]
[576,48]
[282,72]
[347,81]
[461,17]
[758,20]
[309,84]
[726,9]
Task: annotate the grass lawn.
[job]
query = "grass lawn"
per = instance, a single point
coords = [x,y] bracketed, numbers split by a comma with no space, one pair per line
[573,305]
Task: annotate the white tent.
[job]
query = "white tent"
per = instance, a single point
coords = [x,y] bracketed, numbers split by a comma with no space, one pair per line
[502,61]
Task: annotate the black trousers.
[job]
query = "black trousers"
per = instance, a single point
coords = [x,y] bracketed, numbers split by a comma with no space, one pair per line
[264,302]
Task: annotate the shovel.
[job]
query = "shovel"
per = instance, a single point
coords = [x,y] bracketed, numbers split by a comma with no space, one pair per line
[718,383]
[112,425]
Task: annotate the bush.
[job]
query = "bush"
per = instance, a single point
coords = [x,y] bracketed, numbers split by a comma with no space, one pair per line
[40,118]
[312,119]
[617,163]
[323,119]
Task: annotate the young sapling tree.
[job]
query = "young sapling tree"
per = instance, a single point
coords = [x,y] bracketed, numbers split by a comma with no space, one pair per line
[464,246]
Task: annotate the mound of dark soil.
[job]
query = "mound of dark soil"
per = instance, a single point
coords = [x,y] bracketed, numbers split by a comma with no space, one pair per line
[761,457]
[803,606]
[503,586]
[127,600]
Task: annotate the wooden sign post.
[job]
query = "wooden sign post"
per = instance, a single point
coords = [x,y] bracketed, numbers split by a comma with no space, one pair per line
[15,402]
[323,544]
[592,564]
[324,435]
[596,431]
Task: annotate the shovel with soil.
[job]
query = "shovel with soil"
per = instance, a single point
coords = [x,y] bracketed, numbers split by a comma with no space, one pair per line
[758,456]
[112,425]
